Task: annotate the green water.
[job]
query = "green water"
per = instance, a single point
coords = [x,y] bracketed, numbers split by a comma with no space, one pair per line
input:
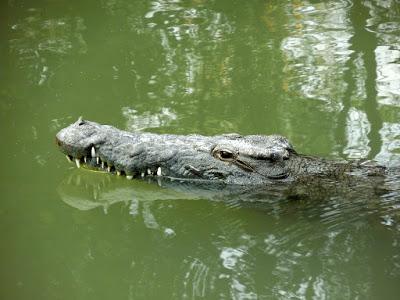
[325,74]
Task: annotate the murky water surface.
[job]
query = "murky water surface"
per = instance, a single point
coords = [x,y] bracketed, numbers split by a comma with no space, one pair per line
[326,74]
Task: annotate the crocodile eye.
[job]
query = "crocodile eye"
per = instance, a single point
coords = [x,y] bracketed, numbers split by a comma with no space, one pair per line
[225,155]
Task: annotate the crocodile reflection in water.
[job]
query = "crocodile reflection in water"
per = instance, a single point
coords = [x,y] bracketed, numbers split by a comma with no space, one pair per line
[291,231]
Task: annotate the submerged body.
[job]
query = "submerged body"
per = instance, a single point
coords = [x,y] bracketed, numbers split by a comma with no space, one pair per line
[228,159]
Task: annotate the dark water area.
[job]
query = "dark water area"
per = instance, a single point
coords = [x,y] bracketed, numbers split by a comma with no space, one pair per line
[325,74]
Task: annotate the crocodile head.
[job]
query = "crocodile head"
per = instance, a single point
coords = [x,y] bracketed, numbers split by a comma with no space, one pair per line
[230,158]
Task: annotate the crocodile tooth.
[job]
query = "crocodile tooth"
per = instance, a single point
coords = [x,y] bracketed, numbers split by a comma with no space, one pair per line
[149,171]
[78,163]
[69,158]
[159,171]
[97,160]
[85,159]
[119,173]
[129,177]
[93,152]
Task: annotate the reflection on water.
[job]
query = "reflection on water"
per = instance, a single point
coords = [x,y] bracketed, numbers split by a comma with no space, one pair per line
[390,150]
[185,32]
[319,61]
[357,129]
[37,42]
[304,244]
[136,121]
[388,74]
[384,21]
[317,50]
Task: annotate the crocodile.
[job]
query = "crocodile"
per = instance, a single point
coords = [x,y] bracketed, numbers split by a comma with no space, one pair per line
[231,159]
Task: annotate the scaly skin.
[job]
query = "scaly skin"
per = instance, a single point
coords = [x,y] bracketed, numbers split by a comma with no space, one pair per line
[230,158]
